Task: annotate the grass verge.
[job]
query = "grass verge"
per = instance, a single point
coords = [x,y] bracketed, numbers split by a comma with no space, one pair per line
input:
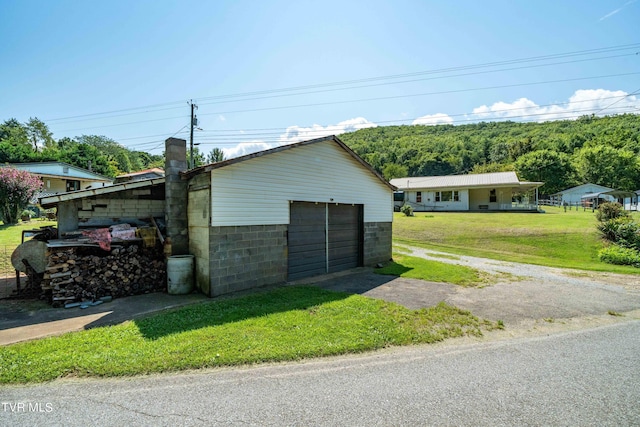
[432,271]
[555,238]
[11,237]
[285,324]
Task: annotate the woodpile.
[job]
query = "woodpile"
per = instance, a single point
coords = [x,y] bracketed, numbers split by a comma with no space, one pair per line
[88,273]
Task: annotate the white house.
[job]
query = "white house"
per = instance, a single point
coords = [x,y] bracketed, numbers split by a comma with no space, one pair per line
[575,195]
[499,191]
[59,177]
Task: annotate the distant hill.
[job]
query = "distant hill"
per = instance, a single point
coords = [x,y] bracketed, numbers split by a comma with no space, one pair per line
[601,150]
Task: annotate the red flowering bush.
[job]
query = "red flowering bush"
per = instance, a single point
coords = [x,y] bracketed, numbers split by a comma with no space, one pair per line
[16,189]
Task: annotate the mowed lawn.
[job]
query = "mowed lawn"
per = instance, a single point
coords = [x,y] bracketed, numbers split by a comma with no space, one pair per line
[289,323]
[555,238]
[11,237]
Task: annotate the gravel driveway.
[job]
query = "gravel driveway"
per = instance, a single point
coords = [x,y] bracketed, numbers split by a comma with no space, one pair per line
[522,292]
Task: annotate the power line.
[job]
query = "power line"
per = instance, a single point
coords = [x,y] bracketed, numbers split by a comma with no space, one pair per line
[384,98]
[360,100]
[132,110]
[310,133]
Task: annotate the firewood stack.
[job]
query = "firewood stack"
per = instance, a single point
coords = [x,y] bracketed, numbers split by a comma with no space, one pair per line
[87,274]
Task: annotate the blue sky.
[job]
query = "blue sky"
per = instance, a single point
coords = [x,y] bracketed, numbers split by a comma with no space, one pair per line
[127,69]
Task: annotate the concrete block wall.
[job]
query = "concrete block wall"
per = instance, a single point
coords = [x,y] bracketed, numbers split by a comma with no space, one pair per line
[176,196]
[244,257]
[377,242]
[120,208]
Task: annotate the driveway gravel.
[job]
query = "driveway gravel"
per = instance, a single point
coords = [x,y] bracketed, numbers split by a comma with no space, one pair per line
[521,292]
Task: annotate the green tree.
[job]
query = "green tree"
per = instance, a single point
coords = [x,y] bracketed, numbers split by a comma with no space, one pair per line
[122,161]
[392,170]
[89,157]
[216,155]
[39,134]
[608,166]
[16,189]
[198,157]
[551,167]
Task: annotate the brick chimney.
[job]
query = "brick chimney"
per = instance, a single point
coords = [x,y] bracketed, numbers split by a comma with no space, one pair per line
[176,196]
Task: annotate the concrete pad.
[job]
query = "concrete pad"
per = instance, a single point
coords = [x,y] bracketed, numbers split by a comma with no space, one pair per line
[17,326]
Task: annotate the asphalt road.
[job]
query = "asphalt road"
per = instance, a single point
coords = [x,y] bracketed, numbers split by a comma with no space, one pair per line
[584,378]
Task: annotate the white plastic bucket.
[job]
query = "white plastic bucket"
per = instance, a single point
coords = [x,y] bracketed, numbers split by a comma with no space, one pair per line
[180,274]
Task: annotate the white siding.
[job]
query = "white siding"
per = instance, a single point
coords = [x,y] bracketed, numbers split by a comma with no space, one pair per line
[258,191]
[574,195]
[429,203]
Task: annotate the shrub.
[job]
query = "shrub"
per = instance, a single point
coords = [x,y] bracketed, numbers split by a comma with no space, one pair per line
[407,210]
[615,254]
[622,231]
[610,210]
[17,187]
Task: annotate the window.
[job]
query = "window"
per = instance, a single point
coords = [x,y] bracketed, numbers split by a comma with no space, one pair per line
[492,196]
[73,185]
[419,197]
[398,196]
[447,196]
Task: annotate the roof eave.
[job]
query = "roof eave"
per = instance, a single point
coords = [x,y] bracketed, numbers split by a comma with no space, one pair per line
[52,201]
[208,168]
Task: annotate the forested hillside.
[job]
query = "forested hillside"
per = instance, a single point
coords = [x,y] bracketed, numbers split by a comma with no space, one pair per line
[33,142]
[601,150]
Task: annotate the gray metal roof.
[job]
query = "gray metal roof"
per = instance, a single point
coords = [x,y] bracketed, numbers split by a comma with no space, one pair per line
[496,179]
[59,170]
[51,201]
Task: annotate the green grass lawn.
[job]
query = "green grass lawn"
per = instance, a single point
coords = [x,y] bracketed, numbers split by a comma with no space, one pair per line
[432,271]
[11,237]
[288,323]
[555,238]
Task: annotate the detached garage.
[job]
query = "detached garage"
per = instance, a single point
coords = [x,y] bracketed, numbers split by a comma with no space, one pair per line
[283,214]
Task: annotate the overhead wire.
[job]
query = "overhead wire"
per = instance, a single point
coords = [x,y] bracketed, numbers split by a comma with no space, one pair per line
[276,134]
[357,100]
[132,110]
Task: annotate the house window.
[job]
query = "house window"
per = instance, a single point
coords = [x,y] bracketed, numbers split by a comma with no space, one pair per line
[73,185]
[398,196]
[447,196]
[419,197]
[492,196]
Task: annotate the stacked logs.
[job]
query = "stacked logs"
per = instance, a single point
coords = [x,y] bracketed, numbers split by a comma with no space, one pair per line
[87,274]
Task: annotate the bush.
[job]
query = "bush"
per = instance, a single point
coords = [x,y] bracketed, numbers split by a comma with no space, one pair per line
[407,210]
[610,210]
[622,231]
[17,187]
[618,255]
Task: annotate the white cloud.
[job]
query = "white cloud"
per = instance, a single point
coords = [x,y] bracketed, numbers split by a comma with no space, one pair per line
[245,148]
[433,119]
[298,133]
[583,102]
[222,118]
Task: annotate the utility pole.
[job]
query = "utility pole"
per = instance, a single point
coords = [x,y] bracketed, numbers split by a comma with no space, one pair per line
[194,123]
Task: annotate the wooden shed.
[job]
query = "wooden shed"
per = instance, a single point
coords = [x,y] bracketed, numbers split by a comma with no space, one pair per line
[283,214]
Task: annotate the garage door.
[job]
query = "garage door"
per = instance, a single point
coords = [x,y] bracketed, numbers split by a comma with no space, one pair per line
[344,237]
[323,238]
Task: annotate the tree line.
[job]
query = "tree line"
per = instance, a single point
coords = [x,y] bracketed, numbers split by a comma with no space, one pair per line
[562,154]
[33,142]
